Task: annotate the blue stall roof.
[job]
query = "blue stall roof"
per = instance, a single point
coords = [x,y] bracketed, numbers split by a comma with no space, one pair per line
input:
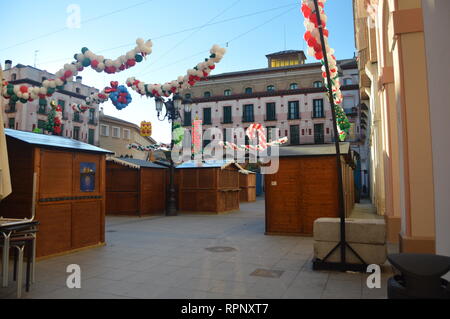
[53,141]
[135,163]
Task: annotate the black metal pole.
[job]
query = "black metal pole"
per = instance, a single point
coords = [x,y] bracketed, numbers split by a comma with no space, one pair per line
[343,244]
[172,205]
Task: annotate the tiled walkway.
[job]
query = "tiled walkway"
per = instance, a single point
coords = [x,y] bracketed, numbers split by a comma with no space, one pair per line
[166,257]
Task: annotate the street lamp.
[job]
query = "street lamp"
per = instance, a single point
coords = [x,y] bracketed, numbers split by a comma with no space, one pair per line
[173,107]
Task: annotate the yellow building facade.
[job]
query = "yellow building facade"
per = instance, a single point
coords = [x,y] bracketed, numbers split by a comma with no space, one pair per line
[403,59]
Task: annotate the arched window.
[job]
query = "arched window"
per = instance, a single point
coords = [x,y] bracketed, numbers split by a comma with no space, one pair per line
[207,94]
[227,92]
[248,90]
[318,84]
[348,81]
[293,86]
[271,88]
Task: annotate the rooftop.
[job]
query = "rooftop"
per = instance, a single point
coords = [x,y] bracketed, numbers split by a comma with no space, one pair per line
[53,141]
[135,163]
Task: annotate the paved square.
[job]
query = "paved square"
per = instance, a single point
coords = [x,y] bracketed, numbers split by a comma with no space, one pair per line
[168,257]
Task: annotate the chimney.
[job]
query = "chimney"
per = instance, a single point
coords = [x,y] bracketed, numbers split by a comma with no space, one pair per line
[8,64]
[79,79]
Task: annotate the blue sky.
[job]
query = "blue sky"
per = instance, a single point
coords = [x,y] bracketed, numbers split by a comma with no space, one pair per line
[106,25]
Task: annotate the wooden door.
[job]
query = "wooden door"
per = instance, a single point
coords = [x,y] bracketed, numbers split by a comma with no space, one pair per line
[283,200]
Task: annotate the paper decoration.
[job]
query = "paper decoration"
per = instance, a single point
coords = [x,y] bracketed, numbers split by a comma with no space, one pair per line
[312,38]
[146,129]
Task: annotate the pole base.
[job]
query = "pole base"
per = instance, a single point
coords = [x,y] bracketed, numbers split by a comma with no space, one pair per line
[318,264]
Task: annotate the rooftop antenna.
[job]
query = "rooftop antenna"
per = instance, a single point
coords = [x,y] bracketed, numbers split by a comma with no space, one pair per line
[35,56]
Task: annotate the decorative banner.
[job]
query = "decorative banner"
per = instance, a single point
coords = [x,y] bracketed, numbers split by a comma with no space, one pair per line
[199,73]
[156,147]
[312,38]
[254,130]
[177,134]
[146,129]
[84,59]
[54,119]
[197,134]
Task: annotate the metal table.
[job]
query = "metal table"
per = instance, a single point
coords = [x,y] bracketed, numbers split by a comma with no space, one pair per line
[8,227]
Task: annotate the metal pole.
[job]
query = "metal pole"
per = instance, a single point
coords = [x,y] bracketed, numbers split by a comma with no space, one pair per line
[172,205]
[343,243]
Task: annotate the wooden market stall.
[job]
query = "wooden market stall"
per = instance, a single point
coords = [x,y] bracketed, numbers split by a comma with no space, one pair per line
[135,187]
[247,183]
[211,187]
[63,182]
[305,188]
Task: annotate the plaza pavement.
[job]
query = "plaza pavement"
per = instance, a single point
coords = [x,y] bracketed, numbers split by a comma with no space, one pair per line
[168,257]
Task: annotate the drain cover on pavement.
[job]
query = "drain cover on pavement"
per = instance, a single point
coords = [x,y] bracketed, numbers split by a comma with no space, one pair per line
[267,273]
[220,249]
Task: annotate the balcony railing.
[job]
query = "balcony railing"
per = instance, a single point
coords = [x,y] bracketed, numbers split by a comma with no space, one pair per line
[248,119]
[93,122]
[317,115]
[77,119]
[271,119]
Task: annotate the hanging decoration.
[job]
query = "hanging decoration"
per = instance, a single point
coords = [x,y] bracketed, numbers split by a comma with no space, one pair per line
[197,133]
[254,131]
[54,119]
[312,38]
[177,134]
[119,95]
[146,129]
[199,73]
[79,108]
[86,58]
[155,147]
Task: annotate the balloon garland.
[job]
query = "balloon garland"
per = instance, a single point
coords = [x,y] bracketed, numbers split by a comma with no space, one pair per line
[199,73]
[312,38]
[54,119]
[84,59]
[149,148]
[254,130]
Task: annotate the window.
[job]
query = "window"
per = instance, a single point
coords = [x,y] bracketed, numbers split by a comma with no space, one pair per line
[104,130]
[12,106]
[42,108]
[187,118]
[12,123]
[76,133]
[349,103]
[116,132]
[293,86]
[248,90]
[188,96]
[126,134]
[248,113]
[295,134]
[227,92]
[207,94]
[319,137]
[271,113]
[318,84]
[318,111]
[271,88]
[294,110]
[76,117]
[227,116]
[78,90]
[91,136]
[13,77]
[91,116]
[207,116]
[276,63]
[271,131]
[348,81]
[63,106]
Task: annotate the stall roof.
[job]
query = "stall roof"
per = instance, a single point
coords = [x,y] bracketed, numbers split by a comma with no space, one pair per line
[313,150]
[53,141]
[135,163]
[208,164]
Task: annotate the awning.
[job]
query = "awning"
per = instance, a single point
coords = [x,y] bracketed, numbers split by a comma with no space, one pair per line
[5,179]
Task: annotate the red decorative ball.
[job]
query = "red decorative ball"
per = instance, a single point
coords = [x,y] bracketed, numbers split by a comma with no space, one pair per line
[68,74]
[95,64]
[23,89]
[131,62]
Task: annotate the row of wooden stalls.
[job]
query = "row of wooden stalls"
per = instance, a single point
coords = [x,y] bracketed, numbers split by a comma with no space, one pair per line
[69,186]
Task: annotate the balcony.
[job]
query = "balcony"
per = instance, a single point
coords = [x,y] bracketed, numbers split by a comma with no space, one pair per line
[317,115]
[271,119]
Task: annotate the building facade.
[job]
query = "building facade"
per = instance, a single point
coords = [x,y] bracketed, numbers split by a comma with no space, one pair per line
[31,115]
[403,50]
[289,95]
[116,134]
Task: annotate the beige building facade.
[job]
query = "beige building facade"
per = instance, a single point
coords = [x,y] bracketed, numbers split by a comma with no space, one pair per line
[403,50]
[116,134]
